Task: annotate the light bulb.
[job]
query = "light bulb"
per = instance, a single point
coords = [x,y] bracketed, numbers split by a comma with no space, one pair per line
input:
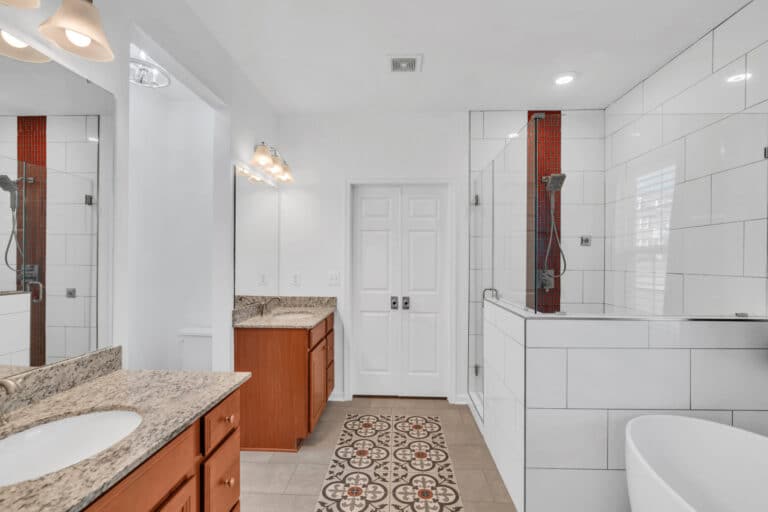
[262,156]
[12,40]
[739,78]
[513,135]
[277,166]
[77,39]
[565,79]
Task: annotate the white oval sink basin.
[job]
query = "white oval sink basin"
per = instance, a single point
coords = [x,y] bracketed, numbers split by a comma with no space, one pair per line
[680,464]
[49,447]
[292,315]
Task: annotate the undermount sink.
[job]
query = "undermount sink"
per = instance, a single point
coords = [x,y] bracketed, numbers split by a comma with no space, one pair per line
[53,446]
[292,315]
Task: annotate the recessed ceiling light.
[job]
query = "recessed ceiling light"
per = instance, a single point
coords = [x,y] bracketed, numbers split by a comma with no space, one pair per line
[513,135]
[739,78]
[565,78]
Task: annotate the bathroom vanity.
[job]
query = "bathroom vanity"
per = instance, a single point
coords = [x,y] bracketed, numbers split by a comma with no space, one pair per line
[290,352]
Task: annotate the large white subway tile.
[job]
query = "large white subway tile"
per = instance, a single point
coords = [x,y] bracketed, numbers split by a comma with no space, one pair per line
[69,188]
[628,378]
[614,288]
[705,102]
[717,249]
[15,329]
[483,152]
[729,379]
[582,219]
[615,183]
[55,341]
[83,157]
[583,257]
[14,303]
[733,142]
[65,128]
[593,286]
[56,156]
[9,129]
[82,278]
[583,155]
[608,152]
[559,490]
[617,424]
[754,421]
[656,293]
[64,312]
[757,67]
[573,192]
[656,169]
[624,110]
[586,333]
[567,439]
[691,204]
[740,194]
[718,295]
[583,124]
[498,125]
[708,334]
[638,137]
[740,33]
[683,71]
[571,286]
[545,377]
[756,248]
[70,219]
[55,249]
[594,187]
[476,125]
[78,341]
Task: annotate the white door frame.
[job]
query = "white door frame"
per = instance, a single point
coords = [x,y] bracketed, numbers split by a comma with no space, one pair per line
[350,368]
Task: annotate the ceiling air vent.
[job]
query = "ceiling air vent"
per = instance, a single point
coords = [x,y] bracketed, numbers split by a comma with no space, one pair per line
[405,64]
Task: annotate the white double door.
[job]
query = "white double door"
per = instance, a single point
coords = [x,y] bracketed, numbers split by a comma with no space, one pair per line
[400,292]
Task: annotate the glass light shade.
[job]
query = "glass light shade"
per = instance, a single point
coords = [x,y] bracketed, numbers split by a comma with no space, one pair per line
[285,177]
[72,25]
[22,4]
[146,73]
[262,156]
[277,166]
[13,47]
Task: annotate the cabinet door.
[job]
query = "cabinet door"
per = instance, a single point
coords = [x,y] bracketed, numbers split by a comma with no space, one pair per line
[185,499]
[317,382]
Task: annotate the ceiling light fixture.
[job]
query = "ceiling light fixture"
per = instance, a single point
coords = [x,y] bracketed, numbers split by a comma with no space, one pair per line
[739,78]
[21,4]
[13,47]
[565,78]
[262,155]
[76,27]
[147,73]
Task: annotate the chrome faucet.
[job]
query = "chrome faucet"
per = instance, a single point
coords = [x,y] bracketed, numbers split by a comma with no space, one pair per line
[11,388]
[266,304]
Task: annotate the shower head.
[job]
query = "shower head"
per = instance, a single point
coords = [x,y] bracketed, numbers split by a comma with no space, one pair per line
[11,186]
[554,182]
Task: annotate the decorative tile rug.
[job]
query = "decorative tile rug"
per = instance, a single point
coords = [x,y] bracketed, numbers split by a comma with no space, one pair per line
[390,463]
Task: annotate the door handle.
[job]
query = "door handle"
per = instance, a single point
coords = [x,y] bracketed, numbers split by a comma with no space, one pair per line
[394,303]
[40,291]
[406,303]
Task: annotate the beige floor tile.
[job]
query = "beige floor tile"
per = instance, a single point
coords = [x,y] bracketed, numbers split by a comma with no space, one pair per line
[484,507]
[471,456]
[307,479]
[498,489]
[258,457]
[473,486]
[265,478]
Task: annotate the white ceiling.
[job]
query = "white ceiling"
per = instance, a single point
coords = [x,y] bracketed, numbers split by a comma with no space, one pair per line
[329,56]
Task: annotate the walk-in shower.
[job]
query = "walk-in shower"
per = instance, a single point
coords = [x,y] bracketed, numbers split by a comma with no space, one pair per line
[546,275]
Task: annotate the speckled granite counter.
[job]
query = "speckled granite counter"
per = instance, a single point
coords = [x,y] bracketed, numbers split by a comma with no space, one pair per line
[8,370]
[168,402]
[282,313]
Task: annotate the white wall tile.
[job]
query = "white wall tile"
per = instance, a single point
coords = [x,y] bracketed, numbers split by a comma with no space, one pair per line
[498,125]
[476,124]
[757,67]
[64,312]
[583,124]
[83,157]
[708,334]
[740,194]
[617,424]
[615,183]
[567,439]
[56,156]
[734,142]
[55,341]
[573,192]
[483,153]
[546,377]
[55,249]
[14,303]
[9,129]
[729,379]
[582,219]
[582,257]
[717,295]
[691,204]
[15,329]
[638,137]
[624,110]
[65,128]
[583,155]
[717,249]
[683,71]
[755,248]
[593,286]
[594,187]
[559,490]
[628,378]
[740,33]
[586,333]
[754,421]
[571,287]
[61,277]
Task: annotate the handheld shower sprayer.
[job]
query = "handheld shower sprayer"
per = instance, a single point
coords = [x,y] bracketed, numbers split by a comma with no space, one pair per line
[12,187]
[554,183]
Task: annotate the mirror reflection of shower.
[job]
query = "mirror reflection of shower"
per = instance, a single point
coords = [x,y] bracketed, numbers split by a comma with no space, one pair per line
[12,187]
[554,184]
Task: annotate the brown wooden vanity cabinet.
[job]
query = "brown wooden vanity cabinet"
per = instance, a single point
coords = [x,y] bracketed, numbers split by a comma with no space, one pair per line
[199,470]
[292,379]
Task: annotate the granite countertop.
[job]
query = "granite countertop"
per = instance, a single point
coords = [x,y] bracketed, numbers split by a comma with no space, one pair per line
[168,401]
[9,370]
[287,318]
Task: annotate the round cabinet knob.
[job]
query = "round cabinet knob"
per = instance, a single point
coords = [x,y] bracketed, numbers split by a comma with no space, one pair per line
[230,419]
[230,482]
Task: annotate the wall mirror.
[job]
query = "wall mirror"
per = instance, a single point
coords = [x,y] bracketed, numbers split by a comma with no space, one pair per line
[257,211]
[56,141]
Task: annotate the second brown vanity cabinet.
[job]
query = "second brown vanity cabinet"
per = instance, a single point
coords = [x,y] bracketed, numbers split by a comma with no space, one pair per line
[290,386]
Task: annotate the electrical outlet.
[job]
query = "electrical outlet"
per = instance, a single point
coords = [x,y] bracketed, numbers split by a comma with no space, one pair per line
[334,278]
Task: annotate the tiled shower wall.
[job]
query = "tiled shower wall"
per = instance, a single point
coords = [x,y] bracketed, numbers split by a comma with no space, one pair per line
[15,328]
[687,181]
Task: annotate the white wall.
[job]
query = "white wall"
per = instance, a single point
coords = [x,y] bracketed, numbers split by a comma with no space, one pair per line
[687,184]
[14,326]
[257,235]
[328,153]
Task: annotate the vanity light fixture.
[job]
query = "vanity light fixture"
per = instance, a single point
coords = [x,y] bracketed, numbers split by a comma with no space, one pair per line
[253,175]
[21,4]
[262,155]
[278,166]
[565,78]
[739,78]
[76,27]
[147,73]
[13,47]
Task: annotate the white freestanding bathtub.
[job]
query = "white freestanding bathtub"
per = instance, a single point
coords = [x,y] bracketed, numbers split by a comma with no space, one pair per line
[680,464]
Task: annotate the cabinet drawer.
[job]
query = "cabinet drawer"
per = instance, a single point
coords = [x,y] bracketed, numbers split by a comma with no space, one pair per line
[316,334]
[329,323]
[221,476]
[186,499]
[220,421]
[329,345]
[331,379]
